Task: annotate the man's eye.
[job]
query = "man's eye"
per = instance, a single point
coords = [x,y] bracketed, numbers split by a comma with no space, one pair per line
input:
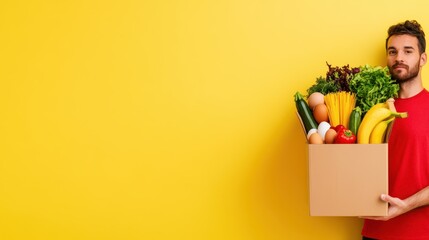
[392,52]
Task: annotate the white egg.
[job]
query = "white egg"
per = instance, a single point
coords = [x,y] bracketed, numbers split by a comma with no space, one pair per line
[323,128]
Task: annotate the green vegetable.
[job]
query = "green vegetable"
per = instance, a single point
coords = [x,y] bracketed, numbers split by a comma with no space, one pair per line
[372,85]
[355,120]
[305,113]
[323,86]
[337,79]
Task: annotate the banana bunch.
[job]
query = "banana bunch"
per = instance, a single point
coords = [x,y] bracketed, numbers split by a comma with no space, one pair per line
[376,122]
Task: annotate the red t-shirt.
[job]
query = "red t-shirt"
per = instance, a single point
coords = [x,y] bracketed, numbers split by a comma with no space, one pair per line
[408,170]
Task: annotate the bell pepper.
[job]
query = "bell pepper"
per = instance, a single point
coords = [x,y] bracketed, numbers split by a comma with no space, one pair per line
[339,128]
[345,136]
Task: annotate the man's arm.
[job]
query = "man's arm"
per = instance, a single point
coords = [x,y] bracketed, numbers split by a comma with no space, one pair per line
[398,206]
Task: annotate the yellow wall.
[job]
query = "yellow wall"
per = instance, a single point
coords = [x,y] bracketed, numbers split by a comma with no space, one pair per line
[170,119]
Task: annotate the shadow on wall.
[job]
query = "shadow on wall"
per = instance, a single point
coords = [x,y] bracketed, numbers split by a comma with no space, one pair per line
[276,193]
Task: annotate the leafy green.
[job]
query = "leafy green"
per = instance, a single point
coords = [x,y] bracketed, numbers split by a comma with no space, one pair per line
[337,79]
[323,86]
[341,75]
[372,85]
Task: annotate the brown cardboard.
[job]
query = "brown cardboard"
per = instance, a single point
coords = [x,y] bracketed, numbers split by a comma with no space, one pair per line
[347,179]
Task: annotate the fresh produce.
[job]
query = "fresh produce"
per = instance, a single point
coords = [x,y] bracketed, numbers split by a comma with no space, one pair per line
[323,86]
[315,99]
[320,113]
[372,85]
[337,79]
[339,128]
[354,100]
[376,114]
[305,112]
[355,120]
[341,75]
[340,106]
[378,134]
[315,138]
[379,105]
[345,137]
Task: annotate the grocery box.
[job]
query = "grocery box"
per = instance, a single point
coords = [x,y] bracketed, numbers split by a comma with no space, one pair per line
[348,174]
[347,179]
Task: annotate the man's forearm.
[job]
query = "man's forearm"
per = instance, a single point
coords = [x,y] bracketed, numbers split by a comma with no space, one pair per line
[419,199]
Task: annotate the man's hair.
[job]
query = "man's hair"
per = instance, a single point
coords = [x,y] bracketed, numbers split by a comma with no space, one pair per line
[409,27]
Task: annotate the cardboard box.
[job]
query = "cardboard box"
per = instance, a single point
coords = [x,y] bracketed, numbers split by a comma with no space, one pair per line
[347,179]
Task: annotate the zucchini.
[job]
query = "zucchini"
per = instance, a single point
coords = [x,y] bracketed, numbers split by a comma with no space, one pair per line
[305,112]
[355,120]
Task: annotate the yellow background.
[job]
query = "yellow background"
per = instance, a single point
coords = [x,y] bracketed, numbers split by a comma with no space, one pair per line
[170,119]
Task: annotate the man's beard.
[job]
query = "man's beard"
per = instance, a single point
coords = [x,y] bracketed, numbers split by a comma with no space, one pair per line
[412,72]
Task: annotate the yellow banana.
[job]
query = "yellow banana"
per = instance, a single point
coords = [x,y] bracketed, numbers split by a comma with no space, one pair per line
[377,106]
[378,134]
[372,118]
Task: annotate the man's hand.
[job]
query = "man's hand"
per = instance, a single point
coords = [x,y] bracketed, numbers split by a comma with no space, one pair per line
[396,207]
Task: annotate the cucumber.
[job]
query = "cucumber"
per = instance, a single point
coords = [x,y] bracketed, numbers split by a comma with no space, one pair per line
[355,120]
[305,112]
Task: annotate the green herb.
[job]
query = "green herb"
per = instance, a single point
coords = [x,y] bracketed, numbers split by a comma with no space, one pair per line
[372,85]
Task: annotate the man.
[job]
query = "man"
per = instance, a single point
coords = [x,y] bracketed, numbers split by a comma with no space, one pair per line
[408,213]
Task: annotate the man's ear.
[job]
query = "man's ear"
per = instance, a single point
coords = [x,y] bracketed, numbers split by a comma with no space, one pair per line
[423,59]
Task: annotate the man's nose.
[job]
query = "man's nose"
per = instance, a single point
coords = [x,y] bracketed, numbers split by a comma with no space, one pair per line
[399,57]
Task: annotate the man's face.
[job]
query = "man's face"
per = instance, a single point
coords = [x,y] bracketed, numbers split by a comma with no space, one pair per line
[403,57]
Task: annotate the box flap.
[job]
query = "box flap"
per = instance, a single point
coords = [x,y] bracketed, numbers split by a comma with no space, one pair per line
[302,126]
